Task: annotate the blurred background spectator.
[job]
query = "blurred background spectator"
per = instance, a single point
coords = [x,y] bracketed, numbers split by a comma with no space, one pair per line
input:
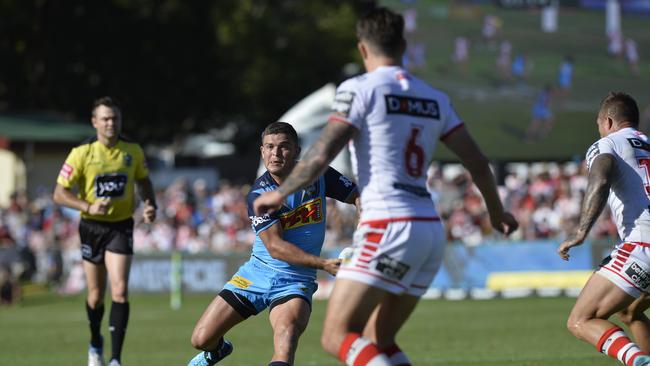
[504,61]
[460,57]
[542,116]
[9,288]
[564,80]
[632,56]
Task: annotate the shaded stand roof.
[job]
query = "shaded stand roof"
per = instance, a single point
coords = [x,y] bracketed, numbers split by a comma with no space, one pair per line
[43,129]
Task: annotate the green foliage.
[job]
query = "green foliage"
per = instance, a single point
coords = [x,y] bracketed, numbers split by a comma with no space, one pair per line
[175,65]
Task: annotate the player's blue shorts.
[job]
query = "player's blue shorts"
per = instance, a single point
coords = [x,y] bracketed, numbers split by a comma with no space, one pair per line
[257,286]
[542,113]
[564,82]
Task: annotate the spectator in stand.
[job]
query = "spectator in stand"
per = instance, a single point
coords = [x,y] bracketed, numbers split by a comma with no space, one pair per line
[491,28]
[565,79]
[9,288]
[519,69]
[632,56]
[410,20]
[504,61]
[415,56]
[460,56]
[542,121]
[644,123]
[615,45]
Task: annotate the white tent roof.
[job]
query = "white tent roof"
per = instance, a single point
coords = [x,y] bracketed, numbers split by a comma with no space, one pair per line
[311,112]
[308,117]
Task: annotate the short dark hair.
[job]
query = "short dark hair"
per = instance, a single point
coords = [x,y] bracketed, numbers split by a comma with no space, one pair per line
[281,127]
[620,107]
[108,102]
[383,29]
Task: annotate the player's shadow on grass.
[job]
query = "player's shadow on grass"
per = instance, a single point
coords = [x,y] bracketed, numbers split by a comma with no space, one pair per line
[514,131]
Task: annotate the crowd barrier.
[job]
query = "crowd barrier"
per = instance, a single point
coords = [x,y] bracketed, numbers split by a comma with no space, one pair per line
[494,269]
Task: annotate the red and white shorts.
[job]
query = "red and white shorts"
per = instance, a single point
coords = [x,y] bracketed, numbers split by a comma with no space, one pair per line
[628,267]
[397,255]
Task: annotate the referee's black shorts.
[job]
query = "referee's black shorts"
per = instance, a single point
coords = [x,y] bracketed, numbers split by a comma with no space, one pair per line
[98,236]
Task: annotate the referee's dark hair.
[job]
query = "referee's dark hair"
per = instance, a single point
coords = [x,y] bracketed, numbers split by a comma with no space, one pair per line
[108,102]
[281,127]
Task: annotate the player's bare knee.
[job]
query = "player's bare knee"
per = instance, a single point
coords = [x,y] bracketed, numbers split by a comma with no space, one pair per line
[119,293]
[199,339]
[196,341]
[575,325]
[94,301]
[119,297]
[94,298]
[328,344]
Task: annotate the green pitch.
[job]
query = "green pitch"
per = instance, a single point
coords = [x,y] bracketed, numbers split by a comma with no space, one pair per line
[50,330]
[498,113]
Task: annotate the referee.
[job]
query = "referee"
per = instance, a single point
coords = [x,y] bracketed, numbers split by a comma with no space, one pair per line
[104,169]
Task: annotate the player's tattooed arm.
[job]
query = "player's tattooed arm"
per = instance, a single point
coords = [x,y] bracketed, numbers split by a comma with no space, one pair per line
[333,138]
[600,180]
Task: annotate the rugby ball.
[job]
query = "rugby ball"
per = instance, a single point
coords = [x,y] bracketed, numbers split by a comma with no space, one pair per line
[346,254]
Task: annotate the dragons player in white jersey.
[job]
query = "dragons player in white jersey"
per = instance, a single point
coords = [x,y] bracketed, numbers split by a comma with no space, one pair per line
[394,121]
[619,173]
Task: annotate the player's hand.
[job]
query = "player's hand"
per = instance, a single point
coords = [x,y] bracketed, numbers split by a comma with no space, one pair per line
[268,202]
[332,266]
[506,223]
[99,208]
[563,249]
[149,212]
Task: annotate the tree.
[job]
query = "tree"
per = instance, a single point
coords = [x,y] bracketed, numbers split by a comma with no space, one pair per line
[177,66]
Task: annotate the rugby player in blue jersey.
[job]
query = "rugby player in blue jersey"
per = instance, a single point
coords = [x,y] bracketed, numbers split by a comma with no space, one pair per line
[281,273]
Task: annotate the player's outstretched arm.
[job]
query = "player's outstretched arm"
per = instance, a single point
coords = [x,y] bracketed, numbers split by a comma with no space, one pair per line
[283,250]
[334,136]
[461,143]
[599,181]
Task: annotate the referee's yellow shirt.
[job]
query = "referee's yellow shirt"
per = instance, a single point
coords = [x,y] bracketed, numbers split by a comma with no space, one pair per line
[100,172]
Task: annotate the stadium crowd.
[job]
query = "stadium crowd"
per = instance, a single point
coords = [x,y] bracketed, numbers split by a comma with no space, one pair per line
[38,239]
[545,197]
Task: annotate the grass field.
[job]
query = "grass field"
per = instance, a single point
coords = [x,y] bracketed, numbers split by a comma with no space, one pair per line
[498,113]
[49,330]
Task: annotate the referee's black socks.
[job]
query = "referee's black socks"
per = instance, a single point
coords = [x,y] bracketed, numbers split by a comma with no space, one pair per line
[95,321]
[117,325]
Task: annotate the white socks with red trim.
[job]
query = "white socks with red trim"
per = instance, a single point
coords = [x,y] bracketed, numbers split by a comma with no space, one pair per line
[360,351]
[616,344]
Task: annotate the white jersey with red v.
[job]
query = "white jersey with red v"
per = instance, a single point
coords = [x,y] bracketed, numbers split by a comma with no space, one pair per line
[629,198]
[400,119]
